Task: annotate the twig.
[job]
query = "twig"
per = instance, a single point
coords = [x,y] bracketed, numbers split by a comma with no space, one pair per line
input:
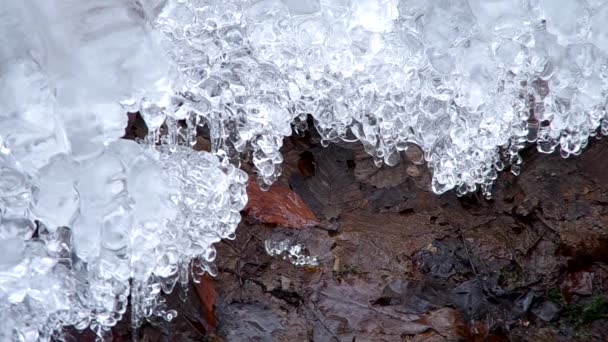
[540,237]
[320,322]
[466,250]
[547,223]
[246,243]
[512,251]
[477,277]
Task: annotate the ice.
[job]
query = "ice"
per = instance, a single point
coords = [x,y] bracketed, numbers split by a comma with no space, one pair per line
[293,252]
[375,15]
[141,215]
[457,78]
[297,7]
[55,200]
[568,20]
[88,220]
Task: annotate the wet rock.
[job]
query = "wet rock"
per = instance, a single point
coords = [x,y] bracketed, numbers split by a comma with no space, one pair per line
[546,310]
[248,322]
[579,283]
[448,323]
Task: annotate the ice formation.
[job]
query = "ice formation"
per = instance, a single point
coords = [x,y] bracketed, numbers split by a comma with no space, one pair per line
[294,252]
[468,81]
[88,220]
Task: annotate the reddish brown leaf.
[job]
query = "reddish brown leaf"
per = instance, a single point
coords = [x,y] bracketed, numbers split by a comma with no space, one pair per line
[206,294]
[279,206]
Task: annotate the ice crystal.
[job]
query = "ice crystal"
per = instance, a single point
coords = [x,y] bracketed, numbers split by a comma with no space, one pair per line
[470,82]
[294,252]
[88,220]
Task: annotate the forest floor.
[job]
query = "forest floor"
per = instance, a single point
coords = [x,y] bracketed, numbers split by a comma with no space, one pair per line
[399,263]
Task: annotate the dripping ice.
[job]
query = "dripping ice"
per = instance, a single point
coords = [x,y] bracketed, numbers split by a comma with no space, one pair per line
[89,219]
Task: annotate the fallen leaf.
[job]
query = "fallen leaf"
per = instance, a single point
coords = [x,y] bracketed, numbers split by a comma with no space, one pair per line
[279,206]
[207,295]
[546,310]
[347,306]
[385,176]
[250,322]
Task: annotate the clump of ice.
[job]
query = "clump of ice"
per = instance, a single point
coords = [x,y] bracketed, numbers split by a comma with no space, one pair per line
[294,252]
[86,220]
[470,82]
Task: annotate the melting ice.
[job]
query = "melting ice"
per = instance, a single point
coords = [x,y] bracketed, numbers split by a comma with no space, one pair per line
[88,220]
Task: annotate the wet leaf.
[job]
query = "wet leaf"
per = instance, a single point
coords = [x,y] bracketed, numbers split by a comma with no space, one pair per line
[385,176]
[279,206]
[546,310]
[249,322]
[207,295]
[346,306]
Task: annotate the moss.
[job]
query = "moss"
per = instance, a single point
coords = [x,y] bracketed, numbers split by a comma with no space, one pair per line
[581,315]
[348,270]
[511,275]
[555,295]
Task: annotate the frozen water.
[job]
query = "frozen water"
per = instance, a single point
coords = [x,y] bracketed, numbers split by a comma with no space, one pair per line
[88,220]
[469,82]
[137,215]
[294,252]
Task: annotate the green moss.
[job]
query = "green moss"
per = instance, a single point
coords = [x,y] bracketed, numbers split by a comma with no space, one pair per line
[511,275]
[581,315]
[348,269]
[555,295]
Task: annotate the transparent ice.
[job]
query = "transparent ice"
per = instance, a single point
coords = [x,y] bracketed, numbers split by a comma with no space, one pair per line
[294,252]
[469,82]
[89,220]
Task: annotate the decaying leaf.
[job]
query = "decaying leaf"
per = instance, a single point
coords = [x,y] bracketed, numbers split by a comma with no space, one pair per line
[348,306]
[279,206]
[207,295]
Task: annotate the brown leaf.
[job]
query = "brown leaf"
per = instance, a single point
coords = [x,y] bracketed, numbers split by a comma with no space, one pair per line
[279,206]
[347,306]
[207,294]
